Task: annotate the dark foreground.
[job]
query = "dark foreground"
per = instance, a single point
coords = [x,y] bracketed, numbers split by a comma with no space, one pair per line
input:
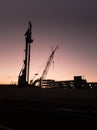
[28,115]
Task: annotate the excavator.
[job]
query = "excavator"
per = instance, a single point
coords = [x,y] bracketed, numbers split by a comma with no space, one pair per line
[42,79]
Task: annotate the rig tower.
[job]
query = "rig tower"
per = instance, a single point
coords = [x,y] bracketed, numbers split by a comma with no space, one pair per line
[23,78]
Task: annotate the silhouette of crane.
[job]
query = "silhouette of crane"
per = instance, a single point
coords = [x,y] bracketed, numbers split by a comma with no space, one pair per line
[45,71]
[50,59]
[44,74]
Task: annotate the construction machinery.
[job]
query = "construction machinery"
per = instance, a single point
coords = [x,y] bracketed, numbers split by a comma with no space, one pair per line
[23,78]
[45,71]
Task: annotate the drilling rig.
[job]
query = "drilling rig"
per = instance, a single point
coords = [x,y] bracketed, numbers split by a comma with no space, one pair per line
[23,78]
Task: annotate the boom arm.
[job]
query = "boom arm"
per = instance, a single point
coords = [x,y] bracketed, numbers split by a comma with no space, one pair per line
[48,63]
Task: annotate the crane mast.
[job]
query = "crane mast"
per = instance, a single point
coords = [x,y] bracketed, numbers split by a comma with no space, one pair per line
[23,78]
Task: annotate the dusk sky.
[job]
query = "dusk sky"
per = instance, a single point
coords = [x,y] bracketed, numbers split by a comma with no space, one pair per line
[71,24]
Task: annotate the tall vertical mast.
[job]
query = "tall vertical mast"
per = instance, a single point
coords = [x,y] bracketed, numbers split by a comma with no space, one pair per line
[23,78]
[27,51]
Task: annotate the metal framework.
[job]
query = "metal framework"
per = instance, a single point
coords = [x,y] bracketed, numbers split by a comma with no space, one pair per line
[47,66]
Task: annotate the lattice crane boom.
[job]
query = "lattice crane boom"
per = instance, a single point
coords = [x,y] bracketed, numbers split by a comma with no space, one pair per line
[48,63]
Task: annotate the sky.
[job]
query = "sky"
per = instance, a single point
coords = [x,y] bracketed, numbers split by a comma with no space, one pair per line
[71,24]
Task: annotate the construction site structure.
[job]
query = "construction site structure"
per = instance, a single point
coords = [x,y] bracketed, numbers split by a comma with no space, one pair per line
[43,81]
[23,78]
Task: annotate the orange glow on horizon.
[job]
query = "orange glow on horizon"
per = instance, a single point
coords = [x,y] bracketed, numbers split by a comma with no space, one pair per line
[66,65]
